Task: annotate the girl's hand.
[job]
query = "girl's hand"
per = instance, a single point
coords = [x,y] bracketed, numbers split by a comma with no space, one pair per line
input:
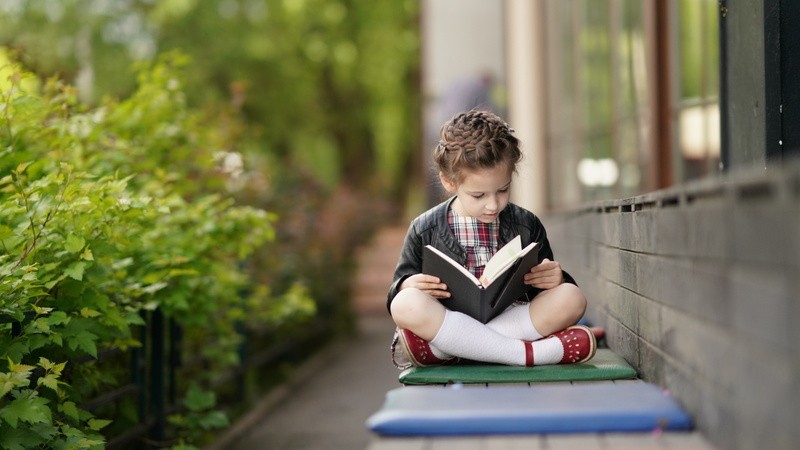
[546,275]
[426,283]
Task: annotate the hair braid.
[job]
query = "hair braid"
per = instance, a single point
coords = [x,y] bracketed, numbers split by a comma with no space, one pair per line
[475,140]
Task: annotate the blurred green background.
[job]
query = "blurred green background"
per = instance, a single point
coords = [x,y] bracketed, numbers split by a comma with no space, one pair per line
[327,87]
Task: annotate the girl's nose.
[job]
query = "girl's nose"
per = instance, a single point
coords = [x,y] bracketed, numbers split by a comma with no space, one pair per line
[491,204]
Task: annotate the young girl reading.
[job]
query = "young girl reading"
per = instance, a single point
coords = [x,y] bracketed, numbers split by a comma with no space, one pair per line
[476,158]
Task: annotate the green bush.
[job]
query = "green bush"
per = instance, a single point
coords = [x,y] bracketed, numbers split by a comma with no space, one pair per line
[106,212]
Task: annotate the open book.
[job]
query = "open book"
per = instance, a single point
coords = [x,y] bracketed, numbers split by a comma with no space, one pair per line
[501,284]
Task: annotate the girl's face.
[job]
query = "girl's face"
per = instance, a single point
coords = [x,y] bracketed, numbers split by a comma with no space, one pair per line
[482,193]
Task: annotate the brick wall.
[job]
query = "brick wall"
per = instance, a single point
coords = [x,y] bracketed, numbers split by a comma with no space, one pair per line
[699,289]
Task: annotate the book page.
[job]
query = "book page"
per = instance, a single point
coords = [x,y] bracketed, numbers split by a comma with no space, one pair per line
[504,259]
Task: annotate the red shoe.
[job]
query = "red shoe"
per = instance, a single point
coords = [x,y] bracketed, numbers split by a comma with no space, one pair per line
[579,344]
[418,351]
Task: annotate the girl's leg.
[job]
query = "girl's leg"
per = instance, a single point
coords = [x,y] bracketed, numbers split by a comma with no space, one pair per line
[417,312]
[453,333]
[552,310]
[515,322]
[555,309]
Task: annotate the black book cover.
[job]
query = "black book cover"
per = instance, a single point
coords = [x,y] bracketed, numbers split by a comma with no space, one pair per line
[468,296]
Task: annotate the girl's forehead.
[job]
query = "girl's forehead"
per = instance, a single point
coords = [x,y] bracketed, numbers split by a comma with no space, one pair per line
[490,179]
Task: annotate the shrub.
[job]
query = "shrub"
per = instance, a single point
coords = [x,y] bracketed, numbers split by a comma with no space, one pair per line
[107,212]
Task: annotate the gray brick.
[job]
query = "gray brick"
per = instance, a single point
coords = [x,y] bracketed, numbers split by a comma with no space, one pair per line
[672,234]
[761,304]
[650,327]
[709,230]
[766,400]
[622,306]
[608,259]
[628,270]
[623,341]
[707,351]
[611,230]
[663,280]
[766,233]
[651,366]
[642,229]
[707,293]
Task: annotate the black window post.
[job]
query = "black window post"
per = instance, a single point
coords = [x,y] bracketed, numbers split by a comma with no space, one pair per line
[790,79]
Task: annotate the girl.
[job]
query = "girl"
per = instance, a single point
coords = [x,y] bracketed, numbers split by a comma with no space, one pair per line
[476,157]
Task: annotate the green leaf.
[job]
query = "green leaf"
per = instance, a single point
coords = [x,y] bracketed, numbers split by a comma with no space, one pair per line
[58,318]
[84,340]
[75,270]
[98,424]
[22,166]
[6,232]
[15,350]
[88,313]
[133,318]
[198,399]
[87,255]
[26,409]
[9,381]
[49,380]
[74,243]
[19,439]
[39,311]
[69,409]
[213,420]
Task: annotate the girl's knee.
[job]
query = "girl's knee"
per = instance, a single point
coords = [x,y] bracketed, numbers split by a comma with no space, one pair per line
[415,310]
[407,305]
[569,300]
[573,293]
[573,299]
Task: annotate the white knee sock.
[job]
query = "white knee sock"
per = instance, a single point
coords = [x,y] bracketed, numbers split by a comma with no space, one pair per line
[515,322]
[465,337]
[461,335]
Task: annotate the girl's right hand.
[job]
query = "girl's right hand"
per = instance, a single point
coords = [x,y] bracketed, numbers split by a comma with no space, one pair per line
[426,283]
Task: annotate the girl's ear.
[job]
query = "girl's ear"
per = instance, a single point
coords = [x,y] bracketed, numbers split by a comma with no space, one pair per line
[449,186]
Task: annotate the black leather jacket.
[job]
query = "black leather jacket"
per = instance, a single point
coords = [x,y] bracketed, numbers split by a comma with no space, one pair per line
[431,228]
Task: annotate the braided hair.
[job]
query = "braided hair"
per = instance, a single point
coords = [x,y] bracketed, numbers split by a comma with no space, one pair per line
[475,140]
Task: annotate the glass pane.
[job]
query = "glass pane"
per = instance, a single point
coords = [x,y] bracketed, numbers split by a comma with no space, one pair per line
[596,71]
[698,116]
[561,102]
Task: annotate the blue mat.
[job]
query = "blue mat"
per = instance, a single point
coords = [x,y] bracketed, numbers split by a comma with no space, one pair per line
[588,408]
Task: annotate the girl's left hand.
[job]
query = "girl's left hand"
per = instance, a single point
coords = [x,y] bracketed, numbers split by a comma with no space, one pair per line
[546,275]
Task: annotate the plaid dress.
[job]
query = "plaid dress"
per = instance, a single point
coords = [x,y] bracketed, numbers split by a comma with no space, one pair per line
[480,239]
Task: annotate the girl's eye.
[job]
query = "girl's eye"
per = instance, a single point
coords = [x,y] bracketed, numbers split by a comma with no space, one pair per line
[477,195]
[504,190]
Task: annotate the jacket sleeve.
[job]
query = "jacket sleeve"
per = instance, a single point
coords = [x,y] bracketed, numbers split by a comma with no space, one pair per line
[410,262]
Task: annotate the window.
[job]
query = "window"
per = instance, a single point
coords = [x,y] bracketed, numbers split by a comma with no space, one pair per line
[603,76]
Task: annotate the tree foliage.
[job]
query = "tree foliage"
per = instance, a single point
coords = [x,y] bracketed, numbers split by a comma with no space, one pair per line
[106,212]
[325,85]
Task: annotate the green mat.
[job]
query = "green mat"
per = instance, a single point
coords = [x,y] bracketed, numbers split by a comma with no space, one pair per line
[606,365]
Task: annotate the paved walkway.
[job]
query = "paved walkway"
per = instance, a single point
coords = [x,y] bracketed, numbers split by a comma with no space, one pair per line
[329,398]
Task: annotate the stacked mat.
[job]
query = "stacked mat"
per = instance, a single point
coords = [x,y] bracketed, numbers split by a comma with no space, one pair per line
[541,407]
